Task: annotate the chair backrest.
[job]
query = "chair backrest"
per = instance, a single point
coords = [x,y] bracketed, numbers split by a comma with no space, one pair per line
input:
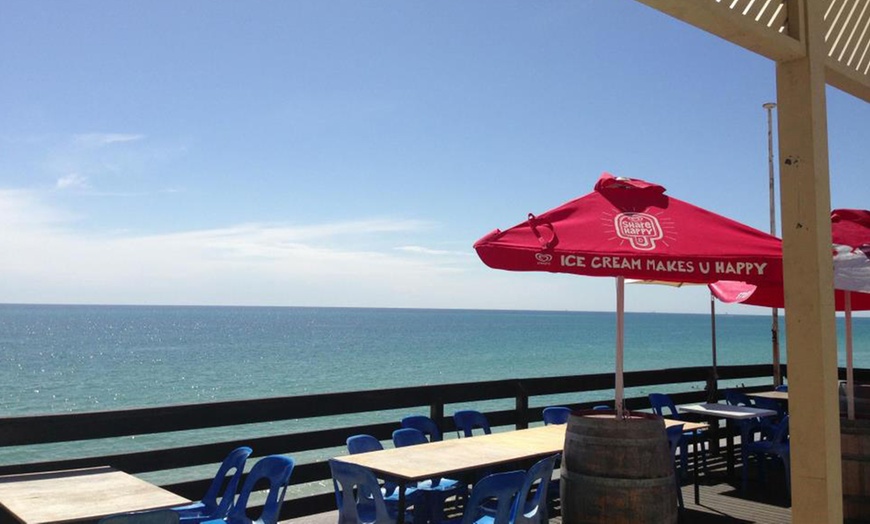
[675,434]
[663,405]
[771,404]
[737,398]
[780,434]
[362,444]
[783,387]
[358,495]
[424,424]
[235,463]
[467,420]
[274,469]
[500,487]
[531,503]
[159,516]
[556,415]
[408,437]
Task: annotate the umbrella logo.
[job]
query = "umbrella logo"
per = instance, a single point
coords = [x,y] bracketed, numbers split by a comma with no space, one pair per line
[544,258]
[640,229]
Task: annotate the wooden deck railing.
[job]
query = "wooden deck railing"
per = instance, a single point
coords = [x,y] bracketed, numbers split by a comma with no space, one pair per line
[46,429]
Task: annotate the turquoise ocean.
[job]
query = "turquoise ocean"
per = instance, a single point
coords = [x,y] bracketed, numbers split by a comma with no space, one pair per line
[60,359]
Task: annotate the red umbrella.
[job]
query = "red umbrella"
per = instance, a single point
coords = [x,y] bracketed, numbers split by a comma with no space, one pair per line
[629,228]
[850,234]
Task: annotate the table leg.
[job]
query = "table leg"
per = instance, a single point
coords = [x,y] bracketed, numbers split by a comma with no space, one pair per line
[729,438]
[400,505]
[695,465]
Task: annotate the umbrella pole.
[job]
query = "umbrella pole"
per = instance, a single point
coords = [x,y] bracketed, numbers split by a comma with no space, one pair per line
[713,387]
[850,384]
[620,330]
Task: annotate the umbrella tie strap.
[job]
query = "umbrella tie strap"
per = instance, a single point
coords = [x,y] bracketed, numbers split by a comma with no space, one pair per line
[543,232]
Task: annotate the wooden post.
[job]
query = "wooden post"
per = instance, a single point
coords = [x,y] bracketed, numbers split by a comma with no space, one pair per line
[522,406]
[808,271]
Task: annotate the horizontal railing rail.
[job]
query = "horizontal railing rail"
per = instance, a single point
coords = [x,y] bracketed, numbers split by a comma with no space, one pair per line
[73,427]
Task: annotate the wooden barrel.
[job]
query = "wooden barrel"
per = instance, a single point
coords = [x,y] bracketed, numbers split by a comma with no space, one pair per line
[617,471]
[855,450]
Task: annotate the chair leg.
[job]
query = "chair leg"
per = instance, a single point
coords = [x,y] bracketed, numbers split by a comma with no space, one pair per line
[786,461]
[760,458]
[679,489]
[684,457]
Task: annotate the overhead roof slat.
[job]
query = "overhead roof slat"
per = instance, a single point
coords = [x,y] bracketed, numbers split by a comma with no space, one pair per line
[762,26]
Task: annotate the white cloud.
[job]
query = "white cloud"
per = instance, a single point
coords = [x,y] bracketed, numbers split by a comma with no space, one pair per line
[104,139]
[71,181]
[45,260]
[428,251]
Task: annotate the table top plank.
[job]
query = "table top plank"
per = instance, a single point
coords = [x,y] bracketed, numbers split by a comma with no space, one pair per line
[83,494]
[775,395]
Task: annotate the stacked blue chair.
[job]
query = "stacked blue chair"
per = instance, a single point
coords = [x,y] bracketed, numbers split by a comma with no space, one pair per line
[498,491]
[675,435]
[363,443]
[532,498]
[663,406]
[777,445]
[274,469]
[424,424]
[467,420]
[556,415]
[435,491]
[209,507]
[358,496]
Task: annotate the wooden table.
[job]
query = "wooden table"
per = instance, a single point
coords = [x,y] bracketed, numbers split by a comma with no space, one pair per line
[450,457]
[730,414]
[80,495]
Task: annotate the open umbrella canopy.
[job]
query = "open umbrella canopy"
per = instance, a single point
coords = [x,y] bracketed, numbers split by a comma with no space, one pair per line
[850,234]
[629,228]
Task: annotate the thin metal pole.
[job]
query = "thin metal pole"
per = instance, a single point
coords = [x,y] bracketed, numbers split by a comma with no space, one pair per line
[774,326]
[620,345]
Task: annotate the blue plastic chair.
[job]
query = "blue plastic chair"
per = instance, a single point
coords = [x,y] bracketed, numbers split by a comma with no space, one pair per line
[663,406]
[467,420]
[424,424]
[532,498]
[276,470]
[435,491]
[498,491]
[783,387]
[675,435]
[748,427]
[777,445]
[209,507]
[556,415]
[358,496]
[363,443]
[159,516]
[738,398]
